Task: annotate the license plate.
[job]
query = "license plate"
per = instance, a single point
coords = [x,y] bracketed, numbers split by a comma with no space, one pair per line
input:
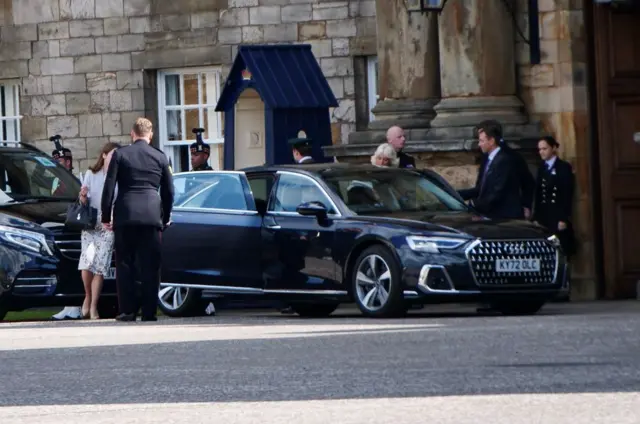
[518,265]
[111,274]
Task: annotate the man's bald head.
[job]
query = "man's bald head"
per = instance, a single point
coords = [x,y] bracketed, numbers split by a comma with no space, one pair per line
[395,137]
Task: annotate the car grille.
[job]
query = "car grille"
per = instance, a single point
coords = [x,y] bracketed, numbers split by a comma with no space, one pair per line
[69,245]
[483,255]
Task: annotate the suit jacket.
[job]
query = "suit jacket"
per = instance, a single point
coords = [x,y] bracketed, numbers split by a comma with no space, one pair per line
[498,196]
[140,171]
[406,161]
[527,181]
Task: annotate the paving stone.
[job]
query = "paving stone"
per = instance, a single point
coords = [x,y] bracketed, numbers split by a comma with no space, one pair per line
[55,66]
[78,9]
[88,28]
[53,31]
[78,103]
[69,83]
[66,126]
[48,105]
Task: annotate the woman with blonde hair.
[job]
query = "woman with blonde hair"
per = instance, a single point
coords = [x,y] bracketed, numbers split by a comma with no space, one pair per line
[97,244]
[385,155]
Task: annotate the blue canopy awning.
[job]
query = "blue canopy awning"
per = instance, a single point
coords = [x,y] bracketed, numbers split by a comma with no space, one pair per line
[287,76]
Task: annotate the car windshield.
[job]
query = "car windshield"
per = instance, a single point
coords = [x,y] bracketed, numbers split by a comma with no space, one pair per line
[391,190]
[28,175]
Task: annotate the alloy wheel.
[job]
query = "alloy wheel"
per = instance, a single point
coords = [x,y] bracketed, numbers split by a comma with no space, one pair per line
[373,282]
[173,298]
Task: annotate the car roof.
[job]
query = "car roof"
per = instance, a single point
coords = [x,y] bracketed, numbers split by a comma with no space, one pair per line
[19,147]
[323,169]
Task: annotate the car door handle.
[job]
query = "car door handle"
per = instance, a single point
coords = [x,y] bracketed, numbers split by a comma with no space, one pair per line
[273,227]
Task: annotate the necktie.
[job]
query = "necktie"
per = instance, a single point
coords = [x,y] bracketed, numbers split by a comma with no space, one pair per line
[484,174]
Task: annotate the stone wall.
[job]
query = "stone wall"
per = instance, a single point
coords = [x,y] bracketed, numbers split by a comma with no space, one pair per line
[556,93]
[84,65]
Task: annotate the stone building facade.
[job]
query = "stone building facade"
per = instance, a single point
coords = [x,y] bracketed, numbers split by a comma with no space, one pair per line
[86,68]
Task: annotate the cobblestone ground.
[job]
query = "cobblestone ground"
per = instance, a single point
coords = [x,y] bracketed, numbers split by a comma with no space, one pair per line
[571,364]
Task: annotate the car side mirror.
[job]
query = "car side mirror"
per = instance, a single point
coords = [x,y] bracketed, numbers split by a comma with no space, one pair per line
[316,209]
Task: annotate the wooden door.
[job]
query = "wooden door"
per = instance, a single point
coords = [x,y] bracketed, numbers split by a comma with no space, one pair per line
[617,39]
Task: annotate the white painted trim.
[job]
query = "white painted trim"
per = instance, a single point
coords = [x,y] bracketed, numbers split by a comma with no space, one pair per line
[12,87]
[372,84]
[213,93]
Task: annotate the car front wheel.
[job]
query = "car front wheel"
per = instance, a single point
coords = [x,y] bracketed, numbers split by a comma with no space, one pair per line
[376,283]
[179,301]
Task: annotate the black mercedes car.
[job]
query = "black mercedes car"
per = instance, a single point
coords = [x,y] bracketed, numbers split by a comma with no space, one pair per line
[38,257]
[316,236]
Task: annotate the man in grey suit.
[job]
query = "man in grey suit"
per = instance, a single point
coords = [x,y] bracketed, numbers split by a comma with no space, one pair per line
[141,211]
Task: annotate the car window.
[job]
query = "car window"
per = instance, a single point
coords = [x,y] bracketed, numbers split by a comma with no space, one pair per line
[389,191]
[27,174]
[209,191]
[293,190]
[261,186]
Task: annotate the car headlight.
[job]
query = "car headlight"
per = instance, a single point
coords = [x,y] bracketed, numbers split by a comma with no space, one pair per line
[433,244]
[30,240]
[554,240]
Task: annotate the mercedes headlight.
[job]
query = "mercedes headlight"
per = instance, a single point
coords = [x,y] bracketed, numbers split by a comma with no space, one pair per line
[433,244]
[30,240]
[554,240]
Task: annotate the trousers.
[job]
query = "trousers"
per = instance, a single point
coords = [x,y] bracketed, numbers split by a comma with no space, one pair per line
[138,258]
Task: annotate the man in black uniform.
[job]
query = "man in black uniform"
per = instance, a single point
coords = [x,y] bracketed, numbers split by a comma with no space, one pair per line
[141,211]
[395,137]
[200,152]
[301,150]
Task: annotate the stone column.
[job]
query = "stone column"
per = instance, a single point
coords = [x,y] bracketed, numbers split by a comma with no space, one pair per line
[408,70]
[477,65]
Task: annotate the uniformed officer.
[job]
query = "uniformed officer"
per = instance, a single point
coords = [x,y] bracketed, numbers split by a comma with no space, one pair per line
[62,154]
[554,194]
[301,149]
[200,152]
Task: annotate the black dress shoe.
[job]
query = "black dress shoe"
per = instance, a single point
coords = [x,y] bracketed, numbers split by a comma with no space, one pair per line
[126,317]
[149,319]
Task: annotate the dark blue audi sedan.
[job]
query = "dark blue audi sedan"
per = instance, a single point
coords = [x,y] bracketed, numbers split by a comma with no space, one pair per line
[316,236]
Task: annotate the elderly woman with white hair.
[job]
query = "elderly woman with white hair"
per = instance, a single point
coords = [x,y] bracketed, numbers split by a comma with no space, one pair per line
[385,155]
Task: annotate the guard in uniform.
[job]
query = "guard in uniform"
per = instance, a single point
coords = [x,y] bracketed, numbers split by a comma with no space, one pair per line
[301,149]
[554,194]
[200,152]
[61,154]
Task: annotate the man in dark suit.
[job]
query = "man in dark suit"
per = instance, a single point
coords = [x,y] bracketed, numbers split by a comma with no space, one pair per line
[395,137]
[140,213]
[527,182]
[497,191]
[301,148]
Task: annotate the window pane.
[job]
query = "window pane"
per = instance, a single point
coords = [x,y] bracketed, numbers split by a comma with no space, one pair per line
[191,89]
[192,118]
[209,88]
[213,192]
[172,90]
[174,125]
[212,123]
[294,190]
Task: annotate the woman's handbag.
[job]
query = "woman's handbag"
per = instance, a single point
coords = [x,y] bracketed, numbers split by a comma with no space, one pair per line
[81,217]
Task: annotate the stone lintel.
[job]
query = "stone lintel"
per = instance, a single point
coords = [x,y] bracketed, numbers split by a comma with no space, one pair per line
[407,113]
[465,111]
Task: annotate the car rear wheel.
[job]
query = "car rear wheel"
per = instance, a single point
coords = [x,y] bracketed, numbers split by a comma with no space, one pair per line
[314,310]
[376,283]
[179,301]
[528,307]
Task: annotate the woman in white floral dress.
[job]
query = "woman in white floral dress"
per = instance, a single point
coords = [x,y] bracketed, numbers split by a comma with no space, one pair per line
[97,244]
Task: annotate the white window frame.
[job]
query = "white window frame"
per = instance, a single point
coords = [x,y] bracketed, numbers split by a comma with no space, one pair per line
[216,124]
[372,84]
[12,103]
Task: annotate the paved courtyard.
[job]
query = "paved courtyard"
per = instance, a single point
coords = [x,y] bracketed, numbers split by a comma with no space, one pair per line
[577,363]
